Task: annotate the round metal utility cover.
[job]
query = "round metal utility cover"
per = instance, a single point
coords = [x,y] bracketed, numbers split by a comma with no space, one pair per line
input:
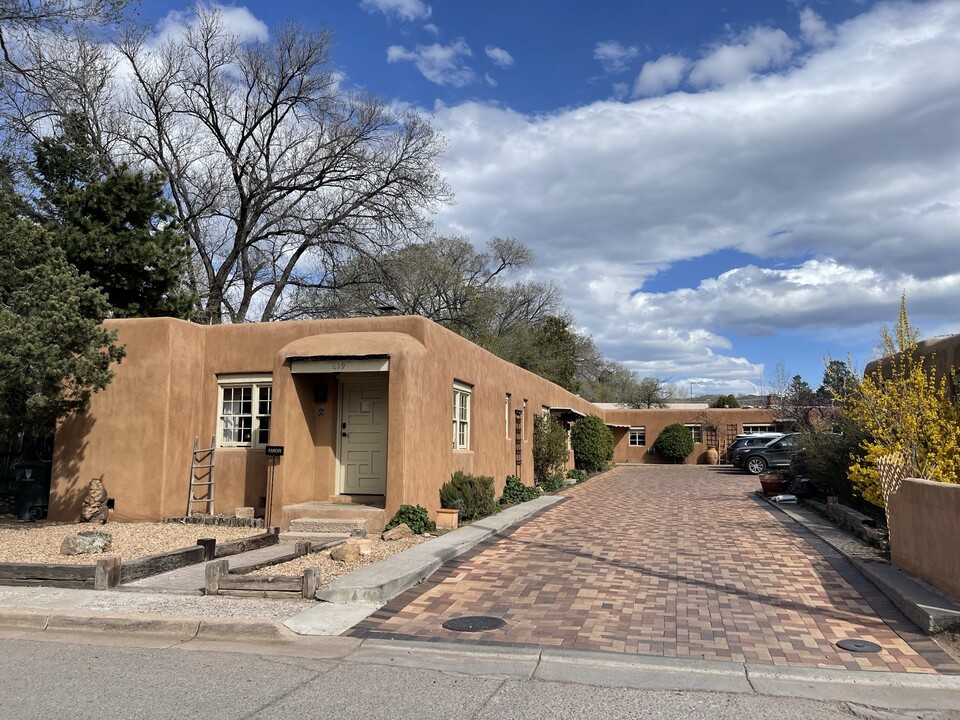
[474,623]
[864,646]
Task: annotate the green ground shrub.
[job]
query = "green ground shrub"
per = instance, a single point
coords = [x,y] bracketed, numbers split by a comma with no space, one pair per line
[674,443]
[550,451]
[592,444]
[554,482]
[577,474]
[824,459]
[416,518]
[515,492]
[472,495]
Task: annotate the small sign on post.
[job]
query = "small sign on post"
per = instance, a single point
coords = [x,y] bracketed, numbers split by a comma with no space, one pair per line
[275,452]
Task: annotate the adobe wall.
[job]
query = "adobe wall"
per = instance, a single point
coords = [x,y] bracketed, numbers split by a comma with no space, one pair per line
[138,432]
[924,521]
[427,424]
[654,420]
[945,354]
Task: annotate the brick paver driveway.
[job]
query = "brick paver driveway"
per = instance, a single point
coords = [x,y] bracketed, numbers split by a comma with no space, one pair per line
[680,561]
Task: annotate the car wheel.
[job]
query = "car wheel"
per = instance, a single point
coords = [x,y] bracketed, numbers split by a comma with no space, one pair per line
[756,465]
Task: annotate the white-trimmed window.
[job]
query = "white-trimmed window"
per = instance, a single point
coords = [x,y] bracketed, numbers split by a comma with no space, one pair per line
[696,431]
[638,436]
[244,404]
[461,415]
[757,427]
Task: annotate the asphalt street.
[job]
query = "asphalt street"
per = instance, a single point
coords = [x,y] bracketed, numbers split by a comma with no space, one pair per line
[80,679]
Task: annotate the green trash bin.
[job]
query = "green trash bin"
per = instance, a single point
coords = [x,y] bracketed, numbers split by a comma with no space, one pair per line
[32,489]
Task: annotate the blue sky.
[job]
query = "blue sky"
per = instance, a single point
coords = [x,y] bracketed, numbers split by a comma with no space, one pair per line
[716,186]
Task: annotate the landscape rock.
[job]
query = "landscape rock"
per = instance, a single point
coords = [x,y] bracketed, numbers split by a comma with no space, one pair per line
[400,531]
[94,508]
[86,542]
[347,552]
[366,546]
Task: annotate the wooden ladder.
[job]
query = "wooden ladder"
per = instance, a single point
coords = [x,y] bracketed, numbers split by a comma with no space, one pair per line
[201,475]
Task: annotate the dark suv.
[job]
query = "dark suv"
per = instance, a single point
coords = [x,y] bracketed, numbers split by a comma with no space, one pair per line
[736,448]
[776,453]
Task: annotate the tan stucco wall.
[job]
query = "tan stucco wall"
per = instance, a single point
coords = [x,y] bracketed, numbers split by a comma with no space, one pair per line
[945,355]
[655,420]
[139,432]
[924,520]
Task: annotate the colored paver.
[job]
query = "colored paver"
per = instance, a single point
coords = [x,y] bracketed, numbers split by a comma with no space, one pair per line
[676,561]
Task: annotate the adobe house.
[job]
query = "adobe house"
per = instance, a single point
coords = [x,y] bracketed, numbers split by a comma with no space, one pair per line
[375,412]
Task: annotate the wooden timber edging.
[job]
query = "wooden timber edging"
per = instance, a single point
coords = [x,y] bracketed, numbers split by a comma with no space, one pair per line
[218,580]
[254,542]
[102,576]
[110,571]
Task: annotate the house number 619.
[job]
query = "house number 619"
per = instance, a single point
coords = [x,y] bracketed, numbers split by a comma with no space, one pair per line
[339,365]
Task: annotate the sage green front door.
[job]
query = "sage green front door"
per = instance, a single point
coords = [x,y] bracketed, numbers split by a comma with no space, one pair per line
[363,438]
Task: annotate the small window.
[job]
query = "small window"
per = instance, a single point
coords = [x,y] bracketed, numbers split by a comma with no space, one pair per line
[696,431]
[506,416]
[461,416]
[638,436]
[757,428]
[245,405]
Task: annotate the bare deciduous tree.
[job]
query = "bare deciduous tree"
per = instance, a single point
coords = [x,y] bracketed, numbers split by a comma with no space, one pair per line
[278,175]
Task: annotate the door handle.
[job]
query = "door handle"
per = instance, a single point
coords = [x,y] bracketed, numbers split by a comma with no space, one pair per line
[344,433]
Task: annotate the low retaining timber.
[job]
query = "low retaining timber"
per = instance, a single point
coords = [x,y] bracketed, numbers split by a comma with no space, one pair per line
[218,580]
[110,571]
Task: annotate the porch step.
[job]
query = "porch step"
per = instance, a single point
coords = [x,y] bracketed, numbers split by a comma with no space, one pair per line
[371,518]
[368,500]
[325,526]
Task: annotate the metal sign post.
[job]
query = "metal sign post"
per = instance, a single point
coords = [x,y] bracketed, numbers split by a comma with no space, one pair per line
[274,452]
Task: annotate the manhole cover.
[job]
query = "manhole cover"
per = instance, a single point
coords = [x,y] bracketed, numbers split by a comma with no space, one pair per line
[473,623]
[859,646]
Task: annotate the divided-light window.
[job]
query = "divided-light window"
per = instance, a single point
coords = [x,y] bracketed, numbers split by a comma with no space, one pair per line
[757,427]
[696,431]
[461,415]
[244,411]
[638,436]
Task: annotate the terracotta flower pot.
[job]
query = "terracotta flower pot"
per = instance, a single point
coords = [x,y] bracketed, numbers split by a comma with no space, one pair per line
[771,484]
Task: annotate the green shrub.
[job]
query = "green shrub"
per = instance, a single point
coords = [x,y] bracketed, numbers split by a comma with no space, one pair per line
[592,444]
[515,492]
[824,458]
[554,482]
[674,443]
[472,495]
[550,451]
[577,474]
[416,518]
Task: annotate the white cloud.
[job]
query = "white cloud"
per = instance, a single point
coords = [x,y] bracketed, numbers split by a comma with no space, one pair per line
[432,29]
[441,64]
[402,9]
[500,57]
[758,49]
[813,29]
[841,172]
[660,75]
[238,20]
[614,55]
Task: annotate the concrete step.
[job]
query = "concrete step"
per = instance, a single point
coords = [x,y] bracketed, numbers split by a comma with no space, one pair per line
[368,500]
[326,526]
[372,518]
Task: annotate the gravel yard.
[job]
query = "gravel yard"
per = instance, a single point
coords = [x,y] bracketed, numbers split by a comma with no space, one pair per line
[40,542]
[332,569]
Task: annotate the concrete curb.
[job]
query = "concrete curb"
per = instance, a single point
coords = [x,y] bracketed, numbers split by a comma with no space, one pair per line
[903,691]
[376,584]
[927,607]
